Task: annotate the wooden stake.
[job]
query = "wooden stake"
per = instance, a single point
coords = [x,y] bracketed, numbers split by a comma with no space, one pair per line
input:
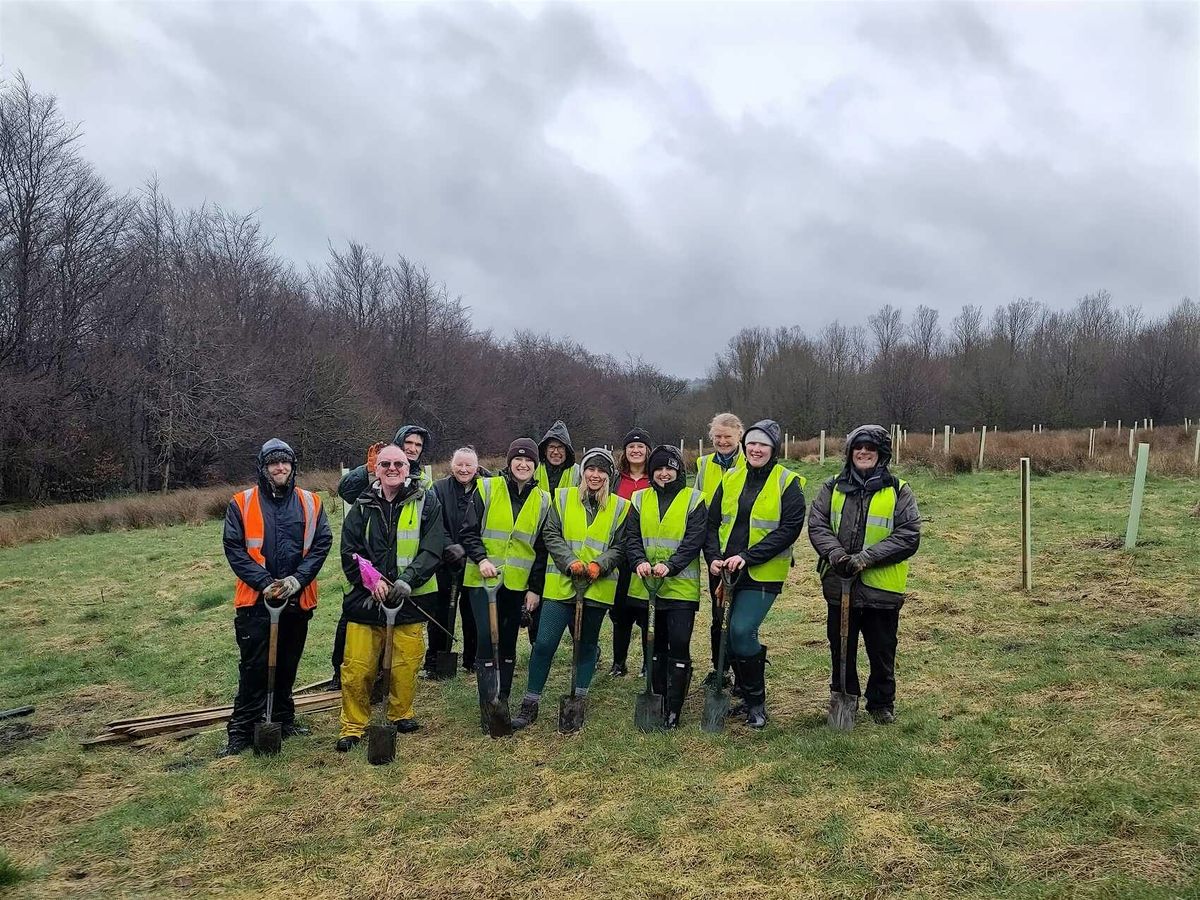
[786,452]
[982,444]
[1026,529]
[1139,489]
[946,442]
[1196,452]
[932,438]
[822,446]
[1132,432]
[1091,442]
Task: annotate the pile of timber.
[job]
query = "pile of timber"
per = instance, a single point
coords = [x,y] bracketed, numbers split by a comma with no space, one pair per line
[142,730]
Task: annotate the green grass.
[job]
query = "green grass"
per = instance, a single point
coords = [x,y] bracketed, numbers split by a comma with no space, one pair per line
[1047,743]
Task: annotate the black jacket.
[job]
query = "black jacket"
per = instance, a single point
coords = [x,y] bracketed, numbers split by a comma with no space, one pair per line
[557,432]
[791,519]
[380,548]
[689,549]
[283,539]
[471,537]
[902,543]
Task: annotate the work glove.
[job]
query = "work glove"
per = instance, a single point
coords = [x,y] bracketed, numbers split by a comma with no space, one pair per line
[453,554]
[837,556]
[289,587]
[855,564]
[577,569]
[373,455]
[593,571]
[401,591]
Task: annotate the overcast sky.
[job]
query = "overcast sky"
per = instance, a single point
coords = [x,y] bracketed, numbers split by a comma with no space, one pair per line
[647,178]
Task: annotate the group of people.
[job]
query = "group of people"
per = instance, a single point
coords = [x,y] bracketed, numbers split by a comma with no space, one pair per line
[547,530]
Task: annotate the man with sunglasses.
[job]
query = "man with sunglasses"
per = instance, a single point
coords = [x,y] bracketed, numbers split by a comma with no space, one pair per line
[865,526]
[397,525]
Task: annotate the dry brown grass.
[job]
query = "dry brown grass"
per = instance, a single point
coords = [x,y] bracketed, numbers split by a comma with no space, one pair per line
[1171,450]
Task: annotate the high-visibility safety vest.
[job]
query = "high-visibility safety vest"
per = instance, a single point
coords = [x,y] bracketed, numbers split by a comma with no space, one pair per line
[408,539]
[764,515]
[709,473]
[250,506]
[880,523]
[425,479]
[509,543]
[662,537]
[587,543]
[569,477]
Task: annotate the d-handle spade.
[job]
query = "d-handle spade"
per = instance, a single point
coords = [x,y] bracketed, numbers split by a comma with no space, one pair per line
[716,698]
[648,709]
[446,662]
[572,708]
[843,707]
[381,734]
[268,734]
[499,719]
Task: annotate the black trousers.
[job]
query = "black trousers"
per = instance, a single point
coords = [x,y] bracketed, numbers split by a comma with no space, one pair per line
[508,613]
[673,632]
[252,628]
[447,581]
[714,628]
[879,629]
[625,615]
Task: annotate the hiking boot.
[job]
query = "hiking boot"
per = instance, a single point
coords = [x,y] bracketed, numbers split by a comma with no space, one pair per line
[346,744]
[884,716]
[335,683]
[407,726]
[293,730]
[751,674]
[527,715]
[618,669]
[233,748]
[756,716]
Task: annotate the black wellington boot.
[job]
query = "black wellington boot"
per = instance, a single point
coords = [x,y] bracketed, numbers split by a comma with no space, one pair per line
[658,678]
[507,668]
[755,688]
[485,685]
[679,680]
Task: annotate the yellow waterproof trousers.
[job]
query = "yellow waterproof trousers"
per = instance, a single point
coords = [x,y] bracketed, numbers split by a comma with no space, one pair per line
[364,648]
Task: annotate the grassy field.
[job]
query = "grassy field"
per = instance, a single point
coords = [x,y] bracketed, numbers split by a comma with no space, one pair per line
[1048,744]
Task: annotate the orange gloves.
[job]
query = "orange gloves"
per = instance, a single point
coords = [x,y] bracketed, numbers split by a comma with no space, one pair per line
[373,454]
[576,568]
[593,571]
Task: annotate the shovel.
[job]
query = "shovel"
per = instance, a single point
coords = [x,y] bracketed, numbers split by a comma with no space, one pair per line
[499,719]
[648,711]
[446,664]
[381,738]
[572,707]
[716,698]
[842,706]
[268,735]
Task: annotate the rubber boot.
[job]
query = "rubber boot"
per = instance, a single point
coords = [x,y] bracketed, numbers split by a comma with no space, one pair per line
[658,678]
[527,715]
[737,709]
[507,668]
[485,684]
[679,680]
[754,688]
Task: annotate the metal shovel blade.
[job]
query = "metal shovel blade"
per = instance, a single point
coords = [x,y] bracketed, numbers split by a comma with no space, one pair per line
[716,708]
[843,708]
[445,665]
[648,712]
[499,719]
[268,738]
[381,744]
[570,714]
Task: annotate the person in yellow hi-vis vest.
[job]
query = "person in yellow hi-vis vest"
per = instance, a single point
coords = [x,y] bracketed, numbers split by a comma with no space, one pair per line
[502,535]
[585,537]
[865,526]
[396,524]
[756,516]
[725,432]
[663,538]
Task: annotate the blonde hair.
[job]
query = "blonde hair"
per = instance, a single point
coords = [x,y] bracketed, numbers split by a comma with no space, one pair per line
[726,420]
[602,495]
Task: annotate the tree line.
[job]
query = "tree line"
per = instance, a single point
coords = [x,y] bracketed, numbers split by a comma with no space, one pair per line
[144,347]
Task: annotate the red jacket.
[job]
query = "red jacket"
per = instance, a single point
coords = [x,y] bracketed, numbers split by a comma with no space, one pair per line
[627,484]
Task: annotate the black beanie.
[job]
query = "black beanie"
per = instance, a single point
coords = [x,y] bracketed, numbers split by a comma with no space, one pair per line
[524,447]
[664,455]
[637,436]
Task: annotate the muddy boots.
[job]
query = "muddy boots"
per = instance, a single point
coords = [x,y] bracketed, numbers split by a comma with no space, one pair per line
[751,673]
[679,679]
[486,685]
[527,715]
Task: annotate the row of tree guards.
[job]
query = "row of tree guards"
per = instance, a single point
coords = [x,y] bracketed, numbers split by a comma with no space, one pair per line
[1131,526]
[900,439]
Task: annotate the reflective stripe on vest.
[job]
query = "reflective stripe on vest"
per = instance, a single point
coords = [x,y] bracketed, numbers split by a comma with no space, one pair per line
[508,543]
[709,473]
[587,542]
[408,539]
[662,537]
[569,477]
[764,516]
[881,513]
[253,528]
[426,480]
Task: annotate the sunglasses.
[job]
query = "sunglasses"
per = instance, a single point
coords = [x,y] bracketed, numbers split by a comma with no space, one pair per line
[392,464]
[870,447]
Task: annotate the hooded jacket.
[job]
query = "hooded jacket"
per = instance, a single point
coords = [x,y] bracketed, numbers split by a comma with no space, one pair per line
[358,479]
[859,488]
[379,546]
[471,537]
[693,537]
[548,475]
[455,497]
[283,532]
[791,517]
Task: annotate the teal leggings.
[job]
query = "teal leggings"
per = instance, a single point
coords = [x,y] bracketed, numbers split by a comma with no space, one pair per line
[749,610]
[559,617]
